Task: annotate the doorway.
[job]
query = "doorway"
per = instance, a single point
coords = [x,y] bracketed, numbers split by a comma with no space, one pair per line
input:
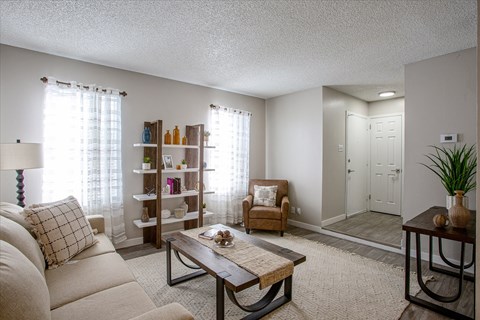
[373,164]
[356,163]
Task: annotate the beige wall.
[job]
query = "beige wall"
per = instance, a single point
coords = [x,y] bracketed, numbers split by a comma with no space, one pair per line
[384,107]
[335,104]
[294,149]
[440,98]
[149,98]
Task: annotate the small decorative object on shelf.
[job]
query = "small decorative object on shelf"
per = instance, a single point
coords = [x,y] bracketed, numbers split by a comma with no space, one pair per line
[204,206]
[146,135]
[167,138]
[184,164]
[166,214]
[166,189]
[206,134]
[184,140]
[458,215]
[184,206]
[145,217]
[440,220]
[179,213]
[204,165]
[146,163]
[150,191]
[176,135]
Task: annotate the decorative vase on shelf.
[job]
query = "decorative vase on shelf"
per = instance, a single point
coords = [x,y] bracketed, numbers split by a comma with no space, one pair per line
[184,206]
[145,217]
[458,215]
[146,135]
[167,138]
[176,135]
[184,140]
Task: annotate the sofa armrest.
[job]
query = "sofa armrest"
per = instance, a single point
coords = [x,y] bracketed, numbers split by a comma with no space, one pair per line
[285,206]
[97,222]
[247,205]
[172,311]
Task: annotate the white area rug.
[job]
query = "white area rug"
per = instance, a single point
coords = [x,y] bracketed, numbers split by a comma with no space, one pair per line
[331,284]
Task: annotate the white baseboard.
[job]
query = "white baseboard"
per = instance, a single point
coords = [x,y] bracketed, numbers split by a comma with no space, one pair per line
[129,243]
[333,220]
[304,225]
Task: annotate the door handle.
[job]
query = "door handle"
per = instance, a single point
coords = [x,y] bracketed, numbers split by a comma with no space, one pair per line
[350,171]
[397,171]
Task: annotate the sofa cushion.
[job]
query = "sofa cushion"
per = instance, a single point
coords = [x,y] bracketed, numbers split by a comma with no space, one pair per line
[15,213]
[62,230]
[80,278]
[103,245]
[260,212]
[265,195]
[121,302]
[21,239]
[23,291]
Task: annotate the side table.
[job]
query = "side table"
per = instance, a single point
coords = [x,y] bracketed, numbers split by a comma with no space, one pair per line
[423,224]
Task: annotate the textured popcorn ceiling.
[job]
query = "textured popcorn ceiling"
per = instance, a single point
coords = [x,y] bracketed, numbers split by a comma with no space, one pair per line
[259,48]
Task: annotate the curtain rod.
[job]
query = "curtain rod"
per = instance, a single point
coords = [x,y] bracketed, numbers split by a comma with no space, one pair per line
[45,80]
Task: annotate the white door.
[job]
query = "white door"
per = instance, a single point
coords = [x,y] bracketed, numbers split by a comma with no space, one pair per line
[386,164]
[356,164]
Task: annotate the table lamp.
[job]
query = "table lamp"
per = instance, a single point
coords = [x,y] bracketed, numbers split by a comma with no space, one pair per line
[19,156]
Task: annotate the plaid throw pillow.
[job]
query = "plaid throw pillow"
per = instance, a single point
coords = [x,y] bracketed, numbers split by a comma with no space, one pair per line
[62,230]
[265,195]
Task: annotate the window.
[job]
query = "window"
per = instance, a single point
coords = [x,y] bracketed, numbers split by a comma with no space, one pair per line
[82,150]
[230,134]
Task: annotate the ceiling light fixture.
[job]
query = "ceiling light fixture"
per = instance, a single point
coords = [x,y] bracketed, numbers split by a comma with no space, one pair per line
[386,94]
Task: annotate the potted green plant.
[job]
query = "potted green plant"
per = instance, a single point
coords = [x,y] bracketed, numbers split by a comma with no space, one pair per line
[456,169]
[146,165]
[204,206]
[184,164]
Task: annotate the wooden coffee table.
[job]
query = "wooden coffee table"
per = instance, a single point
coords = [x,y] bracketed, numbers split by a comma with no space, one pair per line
[230,277]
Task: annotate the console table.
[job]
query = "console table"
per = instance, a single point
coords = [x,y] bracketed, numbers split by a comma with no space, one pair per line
[423,224]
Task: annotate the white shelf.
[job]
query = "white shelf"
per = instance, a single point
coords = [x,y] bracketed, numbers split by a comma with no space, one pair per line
[208,169]
[209,147]
[145,145]
[153,221]
[188,193]
[179,146]
[179,171]
[140,171]
[145,197]
[209,192]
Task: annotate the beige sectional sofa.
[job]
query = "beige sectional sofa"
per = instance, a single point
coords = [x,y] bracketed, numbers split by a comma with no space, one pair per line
[95,284]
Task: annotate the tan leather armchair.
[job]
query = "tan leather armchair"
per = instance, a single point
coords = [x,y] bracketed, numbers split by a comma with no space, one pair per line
[266,218]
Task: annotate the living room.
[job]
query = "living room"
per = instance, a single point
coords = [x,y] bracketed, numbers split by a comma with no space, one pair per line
[287,140]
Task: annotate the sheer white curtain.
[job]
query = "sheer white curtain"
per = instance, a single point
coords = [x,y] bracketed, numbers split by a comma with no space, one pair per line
[82,150]
[230,134]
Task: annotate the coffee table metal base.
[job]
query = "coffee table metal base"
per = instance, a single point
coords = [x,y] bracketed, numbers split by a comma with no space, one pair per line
[259,309]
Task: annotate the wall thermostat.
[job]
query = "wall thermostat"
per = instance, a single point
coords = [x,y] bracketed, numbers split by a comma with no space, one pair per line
[448,138]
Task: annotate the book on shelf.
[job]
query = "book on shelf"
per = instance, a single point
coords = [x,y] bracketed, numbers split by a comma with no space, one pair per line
[209,234]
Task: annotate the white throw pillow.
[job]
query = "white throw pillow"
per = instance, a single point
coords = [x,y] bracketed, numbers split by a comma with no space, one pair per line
[265,195]
[62,230]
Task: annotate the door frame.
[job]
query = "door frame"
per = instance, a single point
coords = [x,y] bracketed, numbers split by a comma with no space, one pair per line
[347,114]
[402,169]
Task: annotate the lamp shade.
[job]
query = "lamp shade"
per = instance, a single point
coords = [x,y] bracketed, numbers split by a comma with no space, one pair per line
[17,156]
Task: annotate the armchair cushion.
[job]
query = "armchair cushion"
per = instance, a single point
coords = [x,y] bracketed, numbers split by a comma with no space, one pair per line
[265,195]
[261,212]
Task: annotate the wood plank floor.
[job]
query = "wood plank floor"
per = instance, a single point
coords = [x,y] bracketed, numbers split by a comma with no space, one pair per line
[373,226]
[442,284]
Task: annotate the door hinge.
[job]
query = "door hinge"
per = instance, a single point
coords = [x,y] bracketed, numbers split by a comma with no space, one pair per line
[370,127]
[369,197]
